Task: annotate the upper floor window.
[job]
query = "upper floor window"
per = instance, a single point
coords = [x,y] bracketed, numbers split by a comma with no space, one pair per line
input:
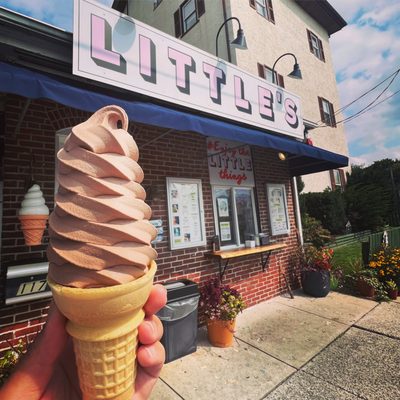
[315,45]
[327,112]
[338,179]
[187,15]
[266,73]
[156,3]
[264,8]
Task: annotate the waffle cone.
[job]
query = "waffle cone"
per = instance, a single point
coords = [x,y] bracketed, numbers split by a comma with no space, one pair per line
[33,227]
[103,323]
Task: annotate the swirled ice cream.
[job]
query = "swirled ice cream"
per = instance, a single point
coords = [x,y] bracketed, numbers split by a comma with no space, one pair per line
[33,202]
[100,232]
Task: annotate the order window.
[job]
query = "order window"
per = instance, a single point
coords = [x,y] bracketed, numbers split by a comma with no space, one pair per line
[235,214]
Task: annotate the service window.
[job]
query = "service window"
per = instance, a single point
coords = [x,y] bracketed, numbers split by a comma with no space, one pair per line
[232,180]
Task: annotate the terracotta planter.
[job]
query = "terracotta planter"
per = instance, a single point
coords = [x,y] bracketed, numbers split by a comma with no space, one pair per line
[365,289]
[220,333]
[393,294]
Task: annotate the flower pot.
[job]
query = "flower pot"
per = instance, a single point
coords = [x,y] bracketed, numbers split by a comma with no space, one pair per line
[220,333]
[316,283]
[393,294]
[365,289]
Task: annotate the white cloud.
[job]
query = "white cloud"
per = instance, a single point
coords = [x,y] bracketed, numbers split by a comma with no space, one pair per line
[364,53]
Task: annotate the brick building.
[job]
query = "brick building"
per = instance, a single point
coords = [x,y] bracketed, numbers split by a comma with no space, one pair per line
[180,147]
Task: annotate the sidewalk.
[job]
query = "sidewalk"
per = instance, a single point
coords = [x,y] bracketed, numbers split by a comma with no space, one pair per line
[338,347]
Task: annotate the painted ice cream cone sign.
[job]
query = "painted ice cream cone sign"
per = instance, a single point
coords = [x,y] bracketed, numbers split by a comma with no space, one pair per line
[101,263]
[33,216]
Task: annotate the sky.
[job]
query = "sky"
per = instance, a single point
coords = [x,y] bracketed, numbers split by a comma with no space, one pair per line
[365,53]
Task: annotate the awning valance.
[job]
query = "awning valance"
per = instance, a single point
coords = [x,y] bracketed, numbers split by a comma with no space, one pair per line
[303,159]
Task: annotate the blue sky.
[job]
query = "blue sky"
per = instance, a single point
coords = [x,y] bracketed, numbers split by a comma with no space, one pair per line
[364,53]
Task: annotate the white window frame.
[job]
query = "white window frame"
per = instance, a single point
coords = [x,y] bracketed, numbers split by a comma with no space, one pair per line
[268,75]
[261,8]
[185,28]
[316,45]
[337,178]
[326,108]
[235,218]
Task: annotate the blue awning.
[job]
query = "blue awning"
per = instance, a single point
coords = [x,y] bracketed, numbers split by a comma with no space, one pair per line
[303,159]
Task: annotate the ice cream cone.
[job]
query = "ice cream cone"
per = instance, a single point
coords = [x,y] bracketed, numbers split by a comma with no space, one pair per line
[33,227]
[103,324]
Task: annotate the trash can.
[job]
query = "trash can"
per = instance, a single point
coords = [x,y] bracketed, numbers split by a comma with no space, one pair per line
[179,319]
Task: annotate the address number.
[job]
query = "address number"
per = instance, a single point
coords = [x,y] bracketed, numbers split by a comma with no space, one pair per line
[32,287]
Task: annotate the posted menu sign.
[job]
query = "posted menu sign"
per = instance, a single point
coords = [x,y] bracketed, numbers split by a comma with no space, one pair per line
[185,211]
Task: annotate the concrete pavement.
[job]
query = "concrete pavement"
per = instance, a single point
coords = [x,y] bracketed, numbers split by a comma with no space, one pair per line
[337,347]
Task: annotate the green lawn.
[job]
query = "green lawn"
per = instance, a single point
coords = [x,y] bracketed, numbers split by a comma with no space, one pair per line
[345,257]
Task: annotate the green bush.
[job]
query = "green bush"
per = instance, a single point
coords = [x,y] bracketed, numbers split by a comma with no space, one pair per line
[313,232]
[327,207]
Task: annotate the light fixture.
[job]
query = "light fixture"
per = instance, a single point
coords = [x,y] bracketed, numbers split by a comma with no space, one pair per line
[282,156]
[295,74]
[239,42]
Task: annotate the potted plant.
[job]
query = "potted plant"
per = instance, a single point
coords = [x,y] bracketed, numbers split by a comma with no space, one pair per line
[392,289]
[367,282]
[220,304]
[315,271]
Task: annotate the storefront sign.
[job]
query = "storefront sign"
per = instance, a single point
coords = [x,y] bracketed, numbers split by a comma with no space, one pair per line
[113,48]
[229,163]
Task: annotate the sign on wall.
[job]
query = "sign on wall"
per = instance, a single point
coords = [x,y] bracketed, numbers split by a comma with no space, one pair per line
[229,163]
[113,48]
[278,212]
[185,213]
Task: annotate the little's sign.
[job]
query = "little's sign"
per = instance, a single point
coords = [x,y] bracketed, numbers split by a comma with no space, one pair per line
[113,48]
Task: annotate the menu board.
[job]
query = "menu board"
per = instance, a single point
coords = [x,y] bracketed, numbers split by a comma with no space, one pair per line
[185,212]
[277,204]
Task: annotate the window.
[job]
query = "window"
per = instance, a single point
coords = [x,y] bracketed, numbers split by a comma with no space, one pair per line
[315,45]
[266,73]
[187,16]
[235,214]
[337,179]
[264,8]
[327,112]
[156,4]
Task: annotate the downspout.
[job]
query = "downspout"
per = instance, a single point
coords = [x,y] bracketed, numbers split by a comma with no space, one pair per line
[297,210]
[226,31]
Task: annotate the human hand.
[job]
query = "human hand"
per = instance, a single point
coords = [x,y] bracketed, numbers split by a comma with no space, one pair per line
[48,370]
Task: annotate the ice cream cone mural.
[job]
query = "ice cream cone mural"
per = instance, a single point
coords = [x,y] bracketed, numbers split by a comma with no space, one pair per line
[33,216]
[101,260]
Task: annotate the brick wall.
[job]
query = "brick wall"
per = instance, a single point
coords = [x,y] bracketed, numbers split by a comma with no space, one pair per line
[175,154]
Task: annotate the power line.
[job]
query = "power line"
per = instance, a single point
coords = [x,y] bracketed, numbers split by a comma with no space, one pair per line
[367,107]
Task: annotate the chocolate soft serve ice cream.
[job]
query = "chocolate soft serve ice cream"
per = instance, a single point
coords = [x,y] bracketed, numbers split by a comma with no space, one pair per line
[101,261]
[99,231]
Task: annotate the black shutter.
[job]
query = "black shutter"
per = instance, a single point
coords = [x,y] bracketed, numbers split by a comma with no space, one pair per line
[281,82]
[270,11]
[321,109]
[321,49]
[332,176]
[261,70]
[333,119]
[310,41]
[177,21]
[342,179]
[201,9]
[252,3]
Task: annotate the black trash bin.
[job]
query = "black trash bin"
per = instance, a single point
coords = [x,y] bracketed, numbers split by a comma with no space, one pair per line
[179,319]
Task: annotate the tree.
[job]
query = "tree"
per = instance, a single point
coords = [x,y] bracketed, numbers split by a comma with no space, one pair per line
[373,195]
